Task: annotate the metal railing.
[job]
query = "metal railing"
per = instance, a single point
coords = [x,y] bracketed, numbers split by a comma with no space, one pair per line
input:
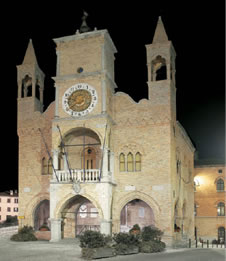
[207,244]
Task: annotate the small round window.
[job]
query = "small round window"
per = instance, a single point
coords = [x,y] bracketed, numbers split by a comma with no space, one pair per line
[80,70]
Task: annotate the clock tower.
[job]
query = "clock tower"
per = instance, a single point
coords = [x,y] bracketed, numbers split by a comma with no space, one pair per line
[82,126]
[85,75]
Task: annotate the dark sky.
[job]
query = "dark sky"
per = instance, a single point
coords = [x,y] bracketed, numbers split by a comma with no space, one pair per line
[196,29]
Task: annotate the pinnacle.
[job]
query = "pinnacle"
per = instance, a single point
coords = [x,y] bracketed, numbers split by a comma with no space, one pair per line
[160,35]
[30,57]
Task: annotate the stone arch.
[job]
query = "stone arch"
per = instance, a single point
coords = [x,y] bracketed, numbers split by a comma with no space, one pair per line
[41,214]
[159,68]
[76,155]
[31,207]
[65,201]
[73,130]
[118,206]
[73,221]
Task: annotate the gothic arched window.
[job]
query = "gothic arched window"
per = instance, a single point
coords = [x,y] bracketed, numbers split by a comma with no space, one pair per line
[221,209]
[130,162]
[122,162]
[27,86]
[159,69]
[44,166]
[50,168]
[138,162]
[220,185]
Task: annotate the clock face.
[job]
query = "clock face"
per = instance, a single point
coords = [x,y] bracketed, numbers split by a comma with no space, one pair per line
[79,100]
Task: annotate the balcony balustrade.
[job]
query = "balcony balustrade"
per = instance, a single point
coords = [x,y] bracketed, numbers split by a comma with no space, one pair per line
[87,176]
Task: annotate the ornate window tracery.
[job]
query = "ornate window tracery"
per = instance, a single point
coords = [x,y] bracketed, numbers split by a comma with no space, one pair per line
[220,185]
[122,162]
[130,162]
[138,162]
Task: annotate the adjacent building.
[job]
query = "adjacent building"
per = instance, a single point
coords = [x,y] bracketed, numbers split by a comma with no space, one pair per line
[209,204]
[8,204]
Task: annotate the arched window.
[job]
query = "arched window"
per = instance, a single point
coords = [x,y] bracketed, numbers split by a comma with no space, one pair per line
[130,163]
[221,234]
[27,86]
[220,185]
[221,209]
[159,69]
[44,166]
[50,168]
[122,162]
[47,167]
[138,162]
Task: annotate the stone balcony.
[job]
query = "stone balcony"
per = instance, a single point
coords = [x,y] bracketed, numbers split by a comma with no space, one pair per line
[77,175]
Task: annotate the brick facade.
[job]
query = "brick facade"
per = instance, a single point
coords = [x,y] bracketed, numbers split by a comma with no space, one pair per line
[210,192]
[116,126]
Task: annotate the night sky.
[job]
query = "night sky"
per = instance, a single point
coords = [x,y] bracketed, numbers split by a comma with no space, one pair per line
[197,33]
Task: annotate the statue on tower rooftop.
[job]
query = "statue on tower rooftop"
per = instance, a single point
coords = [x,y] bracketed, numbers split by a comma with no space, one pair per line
[84,27]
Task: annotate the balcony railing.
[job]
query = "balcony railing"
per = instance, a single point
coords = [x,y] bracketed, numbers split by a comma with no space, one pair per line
[89,175]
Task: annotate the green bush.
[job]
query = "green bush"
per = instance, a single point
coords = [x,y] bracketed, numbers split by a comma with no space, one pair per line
[25,234]
[23,237]
[26,230]
[152,246]
[151,233]
[92,239]
[126,239]
[121,248]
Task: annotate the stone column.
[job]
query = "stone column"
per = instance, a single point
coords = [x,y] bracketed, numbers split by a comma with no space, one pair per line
[168,71]
[106,227]
[105,176]
[41,89]
[112,163]
[20,89]
[55,229]
[33,86]
[56,102]
[65,163]
[55,159]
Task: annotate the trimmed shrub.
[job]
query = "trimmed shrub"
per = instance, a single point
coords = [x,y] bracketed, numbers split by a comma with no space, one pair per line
[92,239]
[25,234]
[126,239]
[152,246]
[151,233]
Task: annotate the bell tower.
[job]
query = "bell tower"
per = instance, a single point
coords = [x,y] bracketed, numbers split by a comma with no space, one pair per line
[30,85]
[161,70]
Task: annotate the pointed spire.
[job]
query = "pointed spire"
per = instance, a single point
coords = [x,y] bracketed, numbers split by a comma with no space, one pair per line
[160,35]
[30,57]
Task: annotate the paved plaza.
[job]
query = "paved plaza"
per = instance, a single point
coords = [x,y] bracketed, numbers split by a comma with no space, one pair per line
[69,250]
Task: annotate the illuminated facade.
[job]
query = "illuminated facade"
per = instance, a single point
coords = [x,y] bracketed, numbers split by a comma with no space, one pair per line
[210,201]
[116,162]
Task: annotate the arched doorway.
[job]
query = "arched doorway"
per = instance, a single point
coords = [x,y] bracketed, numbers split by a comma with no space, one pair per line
[79,215]
[136,212]
[41,214]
